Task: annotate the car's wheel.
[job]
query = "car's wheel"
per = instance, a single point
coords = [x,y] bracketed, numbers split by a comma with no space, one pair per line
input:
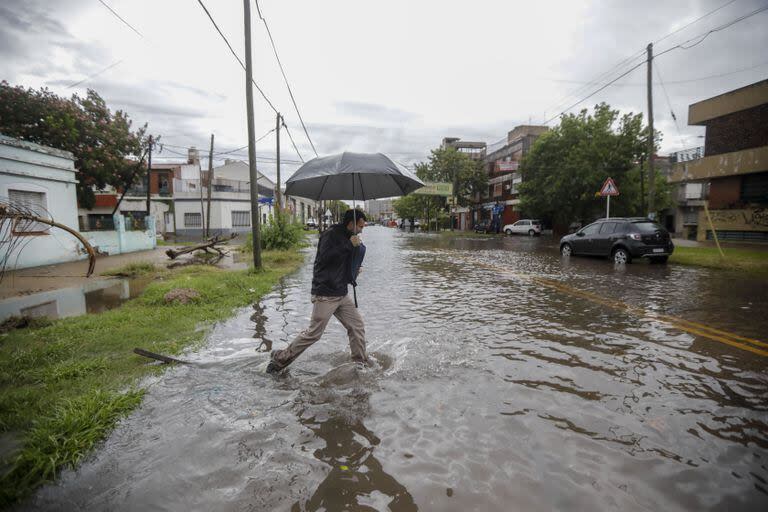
[508,231]
[621,256]
[566,250]
[660,259]
[531,232]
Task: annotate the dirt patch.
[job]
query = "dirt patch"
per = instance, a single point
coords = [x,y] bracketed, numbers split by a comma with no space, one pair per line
[181,295]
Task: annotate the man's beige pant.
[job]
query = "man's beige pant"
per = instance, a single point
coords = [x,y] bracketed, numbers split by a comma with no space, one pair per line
[323,308]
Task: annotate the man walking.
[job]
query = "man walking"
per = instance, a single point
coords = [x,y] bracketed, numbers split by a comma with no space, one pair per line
[336,266]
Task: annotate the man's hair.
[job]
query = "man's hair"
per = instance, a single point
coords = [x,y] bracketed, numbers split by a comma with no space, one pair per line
[350,215]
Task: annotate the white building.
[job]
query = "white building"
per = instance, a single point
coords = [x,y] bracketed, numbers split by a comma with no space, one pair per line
[42,179]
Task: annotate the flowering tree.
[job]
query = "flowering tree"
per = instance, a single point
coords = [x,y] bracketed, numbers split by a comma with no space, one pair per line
[107,152]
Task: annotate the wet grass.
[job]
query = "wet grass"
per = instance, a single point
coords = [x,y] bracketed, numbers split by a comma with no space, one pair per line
[65,385]
[137,268]
[749,260]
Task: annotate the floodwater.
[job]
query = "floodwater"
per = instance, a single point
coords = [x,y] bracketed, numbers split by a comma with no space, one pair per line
[497,385]
[92,297]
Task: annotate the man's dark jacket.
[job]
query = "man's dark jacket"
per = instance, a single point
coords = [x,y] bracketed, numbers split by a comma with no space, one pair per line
[333,263]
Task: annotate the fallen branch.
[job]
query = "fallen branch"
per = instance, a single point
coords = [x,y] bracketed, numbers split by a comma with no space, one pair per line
[211,244]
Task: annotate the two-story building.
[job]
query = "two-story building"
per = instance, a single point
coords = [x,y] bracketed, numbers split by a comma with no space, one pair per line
[503,166]
[731,175]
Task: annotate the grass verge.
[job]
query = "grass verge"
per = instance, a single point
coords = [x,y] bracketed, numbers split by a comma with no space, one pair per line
[64,386]
[749,260]
[137,268]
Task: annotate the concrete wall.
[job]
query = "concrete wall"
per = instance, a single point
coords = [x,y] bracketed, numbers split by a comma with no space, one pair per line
[121,241]
[34,168]
[724,192]
[221,214]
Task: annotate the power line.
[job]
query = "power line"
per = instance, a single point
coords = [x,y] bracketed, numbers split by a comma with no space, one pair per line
[235,54]
[628,60]
[91,77]
[293,142]
[694,21]
[285,78]
[669,104]
[701,38]
[595,92]
[102,2]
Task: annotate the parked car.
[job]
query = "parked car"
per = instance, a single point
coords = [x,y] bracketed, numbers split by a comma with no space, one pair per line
[311,224]
[621,239]
[528,227]
[484,226]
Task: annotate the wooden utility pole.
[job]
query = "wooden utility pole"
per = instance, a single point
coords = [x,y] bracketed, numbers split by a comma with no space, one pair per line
[279,203]
[149,176]
[202,203]
[210,186]
[651,173]
[255,217]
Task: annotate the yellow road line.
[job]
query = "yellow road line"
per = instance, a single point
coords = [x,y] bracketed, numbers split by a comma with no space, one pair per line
[688,326]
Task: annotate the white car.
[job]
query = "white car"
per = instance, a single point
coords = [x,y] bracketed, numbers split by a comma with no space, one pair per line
[524,227]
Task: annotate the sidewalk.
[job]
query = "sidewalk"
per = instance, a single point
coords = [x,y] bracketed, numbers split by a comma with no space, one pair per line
[70,274]
[756,246]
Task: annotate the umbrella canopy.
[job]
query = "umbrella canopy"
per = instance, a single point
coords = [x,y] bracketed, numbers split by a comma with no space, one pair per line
[356,176]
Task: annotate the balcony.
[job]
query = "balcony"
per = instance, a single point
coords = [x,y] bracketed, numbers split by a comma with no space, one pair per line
[687,155]
[747,161]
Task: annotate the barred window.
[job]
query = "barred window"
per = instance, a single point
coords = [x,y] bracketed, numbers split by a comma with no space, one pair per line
[241,219]
[34,202]
[193,220]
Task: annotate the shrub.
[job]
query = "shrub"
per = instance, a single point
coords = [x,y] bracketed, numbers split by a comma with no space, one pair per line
[279,233]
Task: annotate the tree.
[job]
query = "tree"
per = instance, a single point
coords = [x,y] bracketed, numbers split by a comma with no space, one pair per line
[107,152]
[449,165]
[568,164]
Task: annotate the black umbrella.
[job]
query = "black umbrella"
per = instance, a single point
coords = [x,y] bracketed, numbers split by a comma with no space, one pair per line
[355,176]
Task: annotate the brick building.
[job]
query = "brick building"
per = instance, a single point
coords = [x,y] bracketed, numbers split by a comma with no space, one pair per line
[732,174]
[502,163]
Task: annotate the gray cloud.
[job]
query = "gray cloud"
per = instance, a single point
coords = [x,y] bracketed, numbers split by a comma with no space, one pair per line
[374,112]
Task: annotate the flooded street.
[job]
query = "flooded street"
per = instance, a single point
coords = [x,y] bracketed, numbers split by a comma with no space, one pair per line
[505,378]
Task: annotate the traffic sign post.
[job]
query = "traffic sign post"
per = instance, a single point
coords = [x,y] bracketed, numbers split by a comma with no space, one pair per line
[608,189]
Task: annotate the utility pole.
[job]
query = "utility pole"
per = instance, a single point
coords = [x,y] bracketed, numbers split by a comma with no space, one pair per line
[255,217]
[210,186]
[149,176]
[277,159]
[651,173]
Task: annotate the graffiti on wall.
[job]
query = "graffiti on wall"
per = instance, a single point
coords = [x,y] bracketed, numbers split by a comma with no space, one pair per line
[753,219]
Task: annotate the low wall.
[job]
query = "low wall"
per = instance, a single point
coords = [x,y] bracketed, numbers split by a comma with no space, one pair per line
[121,241]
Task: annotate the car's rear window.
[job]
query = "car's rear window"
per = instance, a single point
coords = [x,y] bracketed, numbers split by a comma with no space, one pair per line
[647,227]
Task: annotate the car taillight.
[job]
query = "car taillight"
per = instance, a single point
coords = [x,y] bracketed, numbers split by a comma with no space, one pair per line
[635,236]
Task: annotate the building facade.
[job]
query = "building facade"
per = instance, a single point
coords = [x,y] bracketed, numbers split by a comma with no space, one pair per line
[463,215]
[502,163]
[43,180]
[731,175]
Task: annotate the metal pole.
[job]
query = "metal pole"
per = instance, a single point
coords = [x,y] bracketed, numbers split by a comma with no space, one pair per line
[210,186]
[608,208]
[277,158]
[255,217]
[149,176]
[651,173]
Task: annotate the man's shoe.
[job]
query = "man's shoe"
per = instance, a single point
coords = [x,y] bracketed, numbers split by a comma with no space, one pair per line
[272,368]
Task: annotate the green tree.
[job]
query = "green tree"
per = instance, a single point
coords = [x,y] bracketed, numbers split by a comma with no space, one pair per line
[107,152]
[568,164]
[451,166]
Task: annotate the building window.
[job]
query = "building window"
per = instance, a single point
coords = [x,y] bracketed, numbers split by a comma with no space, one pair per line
[32,202]
[754,188]
[264,218]
[193,220]
[241,219]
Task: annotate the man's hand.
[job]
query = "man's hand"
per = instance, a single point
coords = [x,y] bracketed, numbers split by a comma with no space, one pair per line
[355,240]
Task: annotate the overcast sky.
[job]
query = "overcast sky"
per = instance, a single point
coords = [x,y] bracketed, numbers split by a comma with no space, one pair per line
[368,76]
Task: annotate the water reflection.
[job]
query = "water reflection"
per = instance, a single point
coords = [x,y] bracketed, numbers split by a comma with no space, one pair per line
[92,297]
[356,480]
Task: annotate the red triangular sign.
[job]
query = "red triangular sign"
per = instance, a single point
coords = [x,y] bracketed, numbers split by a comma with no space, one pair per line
[609,188]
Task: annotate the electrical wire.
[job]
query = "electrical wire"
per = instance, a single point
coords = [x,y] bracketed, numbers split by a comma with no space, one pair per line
[235,54]
[102,2]
[91,77]
[285,78]
[293,142]
[669,104]
[694,21]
